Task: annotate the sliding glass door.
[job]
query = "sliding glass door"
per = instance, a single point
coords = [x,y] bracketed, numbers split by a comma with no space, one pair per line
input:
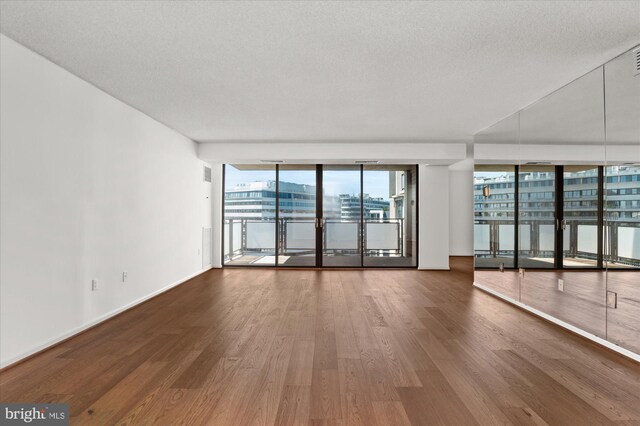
[494,226]
[341,216]
[389,212]
[297,211]
[538,221]
[249,226]
[563,221]
[320,215]
[581,235]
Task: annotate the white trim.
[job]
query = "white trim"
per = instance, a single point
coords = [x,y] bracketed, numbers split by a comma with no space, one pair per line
[599,340]
[98,320]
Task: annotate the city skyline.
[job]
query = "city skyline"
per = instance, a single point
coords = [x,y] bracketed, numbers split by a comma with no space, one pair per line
[376,183]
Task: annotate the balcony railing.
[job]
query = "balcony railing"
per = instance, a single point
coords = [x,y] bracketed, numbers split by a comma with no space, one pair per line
[495,238]
[380,237]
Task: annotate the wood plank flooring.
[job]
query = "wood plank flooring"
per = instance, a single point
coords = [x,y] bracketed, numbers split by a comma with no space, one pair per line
[304,347]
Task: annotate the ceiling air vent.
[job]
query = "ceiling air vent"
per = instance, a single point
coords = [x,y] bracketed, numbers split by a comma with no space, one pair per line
[367,161]
[537,163]
[207,174]
[637,62]
[272,161]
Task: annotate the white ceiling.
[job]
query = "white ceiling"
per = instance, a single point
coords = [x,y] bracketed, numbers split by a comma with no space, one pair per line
[433,71]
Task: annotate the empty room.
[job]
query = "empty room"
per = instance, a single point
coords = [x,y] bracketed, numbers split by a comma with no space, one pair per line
[319,212]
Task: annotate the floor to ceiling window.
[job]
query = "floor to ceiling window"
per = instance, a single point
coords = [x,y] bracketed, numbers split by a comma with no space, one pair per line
[249,215]
[320,215]
[622,216]
[390,208]
[341,216]
[296,215]
[494,216]
[538,220]
[581,199]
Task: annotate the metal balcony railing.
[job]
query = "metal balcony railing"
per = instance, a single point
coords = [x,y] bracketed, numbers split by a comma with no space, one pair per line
[380,237]
[495,238]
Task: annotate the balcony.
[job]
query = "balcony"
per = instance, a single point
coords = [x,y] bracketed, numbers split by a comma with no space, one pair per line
[252,242]
[494,243]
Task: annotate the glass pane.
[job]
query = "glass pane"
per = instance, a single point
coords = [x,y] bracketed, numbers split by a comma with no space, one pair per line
[342,215]
[389,203]
[249,215]
[494,216]
[622,216]
[580,226]
[537,217]
[297,213]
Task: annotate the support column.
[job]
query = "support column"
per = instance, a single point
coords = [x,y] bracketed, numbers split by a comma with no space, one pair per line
[433,217]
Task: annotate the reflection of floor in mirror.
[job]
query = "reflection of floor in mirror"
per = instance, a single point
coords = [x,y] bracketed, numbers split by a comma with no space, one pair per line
[534,262]
[581,301]
[575,262]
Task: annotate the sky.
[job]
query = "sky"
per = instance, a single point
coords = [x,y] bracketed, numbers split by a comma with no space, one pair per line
[376,182]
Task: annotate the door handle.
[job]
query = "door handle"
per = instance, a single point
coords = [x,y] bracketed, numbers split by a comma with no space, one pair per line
[319,222]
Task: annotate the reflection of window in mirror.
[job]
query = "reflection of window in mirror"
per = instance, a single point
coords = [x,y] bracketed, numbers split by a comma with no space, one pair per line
[494,216]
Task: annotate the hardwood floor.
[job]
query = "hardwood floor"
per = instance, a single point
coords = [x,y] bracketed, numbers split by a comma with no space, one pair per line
[374,347]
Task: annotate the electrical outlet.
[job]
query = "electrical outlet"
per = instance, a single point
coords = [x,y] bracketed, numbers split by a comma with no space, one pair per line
[94,285]
[501,266]
[612,300]
[521,272]
[124,277]
[560,285]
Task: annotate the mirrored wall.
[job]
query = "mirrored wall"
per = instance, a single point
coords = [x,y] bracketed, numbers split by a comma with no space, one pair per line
[557,204]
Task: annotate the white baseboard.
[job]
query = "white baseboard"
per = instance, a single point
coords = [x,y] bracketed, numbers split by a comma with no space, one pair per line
[599,340]
[96,321]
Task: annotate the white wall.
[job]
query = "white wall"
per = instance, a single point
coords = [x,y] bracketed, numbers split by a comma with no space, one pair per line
[434,217]
[217,194]
[310,152]
[89,188]
[461,209]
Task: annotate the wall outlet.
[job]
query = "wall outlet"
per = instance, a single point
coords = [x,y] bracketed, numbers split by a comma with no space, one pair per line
[124,277]
[612,300]
[94,285]
[560,285]
[521,272]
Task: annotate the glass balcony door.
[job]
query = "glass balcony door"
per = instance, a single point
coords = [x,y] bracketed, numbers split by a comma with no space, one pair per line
[494,226]
[389,211]
[320,216]
[582,239]
[539,220]
[249,227]
[341,216]
[297,213]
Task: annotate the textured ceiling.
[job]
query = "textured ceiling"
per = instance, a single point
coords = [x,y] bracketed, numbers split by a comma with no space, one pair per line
[435,71]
